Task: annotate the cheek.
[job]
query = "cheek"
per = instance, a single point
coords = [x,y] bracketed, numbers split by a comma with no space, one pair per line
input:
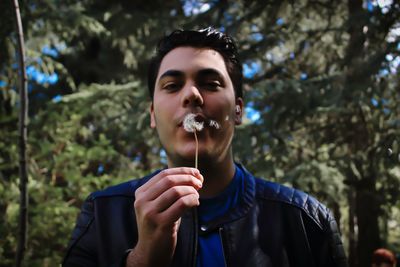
[225,113]
[159,119]
[225,116]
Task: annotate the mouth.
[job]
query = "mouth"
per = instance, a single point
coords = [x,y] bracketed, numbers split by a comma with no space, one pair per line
[198,118]
[201,119]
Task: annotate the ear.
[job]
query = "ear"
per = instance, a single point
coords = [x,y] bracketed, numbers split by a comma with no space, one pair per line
[238,111]
[152,117]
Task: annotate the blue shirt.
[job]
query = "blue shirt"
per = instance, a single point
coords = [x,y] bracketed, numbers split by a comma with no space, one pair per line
[210,250]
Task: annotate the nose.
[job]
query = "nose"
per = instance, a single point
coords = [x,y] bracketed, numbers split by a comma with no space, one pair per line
[191,96]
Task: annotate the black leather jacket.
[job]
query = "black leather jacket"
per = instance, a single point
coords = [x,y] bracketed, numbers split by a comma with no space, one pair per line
[272,225]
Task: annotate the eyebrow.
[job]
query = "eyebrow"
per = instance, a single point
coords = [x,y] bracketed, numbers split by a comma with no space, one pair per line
[210,72]
[201,73]
[172,73]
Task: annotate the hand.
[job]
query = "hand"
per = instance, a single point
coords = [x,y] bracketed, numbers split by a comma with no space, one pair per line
[159,206]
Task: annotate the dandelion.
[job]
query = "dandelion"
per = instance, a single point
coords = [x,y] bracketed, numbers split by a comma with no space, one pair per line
[191,125]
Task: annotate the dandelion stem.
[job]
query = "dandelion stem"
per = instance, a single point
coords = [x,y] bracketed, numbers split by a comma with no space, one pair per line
[197,150]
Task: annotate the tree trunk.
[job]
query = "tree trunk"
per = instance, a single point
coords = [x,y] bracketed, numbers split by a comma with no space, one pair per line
[367,211]
[22,136]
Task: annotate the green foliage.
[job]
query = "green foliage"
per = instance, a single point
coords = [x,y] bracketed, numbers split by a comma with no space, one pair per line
[327,94]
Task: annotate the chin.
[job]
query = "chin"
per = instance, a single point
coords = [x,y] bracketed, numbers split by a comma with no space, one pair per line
[187,158]
[182,158]
[182,162]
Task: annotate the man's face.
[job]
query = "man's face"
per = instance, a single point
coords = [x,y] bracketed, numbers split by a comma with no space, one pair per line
[192,80]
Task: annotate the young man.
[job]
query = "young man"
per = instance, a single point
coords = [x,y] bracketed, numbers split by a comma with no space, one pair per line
[217,214]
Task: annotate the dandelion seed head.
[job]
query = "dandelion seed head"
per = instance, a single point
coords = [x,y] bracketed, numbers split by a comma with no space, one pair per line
[191,125]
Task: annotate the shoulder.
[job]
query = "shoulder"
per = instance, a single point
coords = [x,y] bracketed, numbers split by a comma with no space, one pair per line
[126,189]
[294,198]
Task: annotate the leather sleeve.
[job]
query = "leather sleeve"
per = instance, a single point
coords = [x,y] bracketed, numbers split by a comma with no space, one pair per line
[82,247]
[332,250]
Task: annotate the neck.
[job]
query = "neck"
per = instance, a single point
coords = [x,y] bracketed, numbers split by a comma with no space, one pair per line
[216,177]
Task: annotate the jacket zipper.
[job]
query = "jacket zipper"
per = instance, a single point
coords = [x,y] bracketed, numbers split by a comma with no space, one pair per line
[221,236]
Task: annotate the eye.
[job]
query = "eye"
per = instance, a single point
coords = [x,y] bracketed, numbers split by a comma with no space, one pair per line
[171,86]
[211,85]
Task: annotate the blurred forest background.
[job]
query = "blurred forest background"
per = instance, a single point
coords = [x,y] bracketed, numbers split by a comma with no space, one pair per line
[322,107]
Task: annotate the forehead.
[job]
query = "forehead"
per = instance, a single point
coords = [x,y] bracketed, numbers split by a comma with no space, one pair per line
[190,59]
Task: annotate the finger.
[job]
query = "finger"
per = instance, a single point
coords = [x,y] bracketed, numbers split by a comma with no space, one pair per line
[176,210]
[151,211]
[172,195]
[143,198]
[172,171]
[170,182]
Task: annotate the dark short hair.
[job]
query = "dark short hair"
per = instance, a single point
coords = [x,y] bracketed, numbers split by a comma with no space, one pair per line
[204,38]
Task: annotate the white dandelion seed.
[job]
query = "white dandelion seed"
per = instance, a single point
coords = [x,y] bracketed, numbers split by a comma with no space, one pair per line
[191,125]
[214,124]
